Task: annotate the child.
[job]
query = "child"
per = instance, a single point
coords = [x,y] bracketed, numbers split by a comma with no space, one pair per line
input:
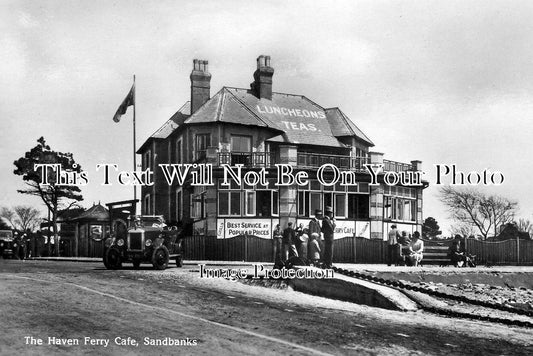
[314,249]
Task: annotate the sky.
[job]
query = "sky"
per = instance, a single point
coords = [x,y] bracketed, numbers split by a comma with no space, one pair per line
[444,82]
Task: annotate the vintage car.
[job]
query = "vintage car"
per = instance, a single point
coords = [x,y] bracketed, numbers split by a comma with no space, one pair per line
[8,246]
[147,240]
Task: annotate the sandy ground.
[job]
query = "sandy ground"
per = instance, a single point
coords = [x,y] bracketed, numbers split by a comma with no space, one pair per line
[77,300]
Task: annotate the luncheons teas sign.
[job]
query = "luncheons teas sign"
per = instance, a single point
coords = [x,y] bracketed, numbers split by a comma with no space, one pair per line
[294,119]
[228,228]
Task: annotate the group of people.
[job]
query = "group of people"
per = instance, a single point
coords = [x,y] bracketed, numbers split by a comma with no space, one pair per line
[404,249]
[458,255]
[409,250]
[313,243]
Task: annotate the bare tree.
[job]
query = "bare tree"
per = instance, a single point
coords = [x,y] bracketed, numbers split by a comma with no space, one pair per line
[470,206]
[463,229]
[524,225]
[21,217]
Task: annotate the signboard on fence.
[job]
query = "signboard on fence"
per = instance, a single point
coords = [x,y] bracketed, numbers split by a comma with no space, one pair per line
[262,228]
[362,229]
[344,228]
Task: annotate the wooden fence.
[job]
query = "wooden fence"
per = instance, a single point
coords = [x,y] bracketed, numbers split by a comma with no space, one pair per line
[349,250]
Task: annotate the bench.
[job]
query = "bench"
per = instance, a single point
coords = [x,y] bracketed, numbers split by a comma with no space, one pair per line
[436,254]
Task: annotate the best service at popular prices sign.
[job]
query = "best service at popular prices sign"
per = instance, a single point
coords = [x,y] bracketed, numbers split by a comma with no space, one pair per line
[228,228]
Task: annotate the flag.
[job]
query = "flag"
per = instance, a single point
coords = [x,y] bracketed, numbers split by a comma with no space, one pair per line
[128,101]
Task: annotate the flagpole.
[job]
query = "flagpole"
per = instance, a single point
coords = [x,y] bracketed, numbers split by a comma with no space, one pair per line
[134,147]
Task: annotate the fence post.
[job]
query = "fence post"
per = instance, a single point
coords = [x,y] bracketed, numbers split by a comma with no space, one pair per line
[246,247]
[517,250]
[354,241]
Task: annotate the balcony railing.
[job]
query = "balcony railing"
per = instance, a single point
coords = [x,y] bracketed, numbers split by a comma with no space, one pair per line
[306,159]
[248,159]
[392,166]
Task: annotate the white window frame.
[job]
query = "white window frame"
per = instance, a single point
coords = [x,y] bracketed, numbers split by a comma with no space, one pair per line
[343,195]
[274,202]
[147,160]
[249,204]
[147,204]
[179,204]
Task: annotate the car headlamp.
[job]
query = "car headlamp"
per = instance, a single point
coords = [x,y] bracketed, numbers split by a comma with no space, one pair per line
[120,242]
[148,243]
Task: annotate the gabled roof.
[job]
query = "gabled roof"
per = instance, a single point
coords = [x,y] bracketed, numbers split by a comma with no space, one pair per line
[96,212]
[172,124]
[292,118]
[300,120]
[341,125]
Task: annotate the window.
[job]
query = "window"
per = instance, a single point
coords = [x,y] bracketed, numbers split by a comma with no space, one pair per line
[147,160]
[229,203]
[235,203]
[249,202]
[315,202]
[179,205]
[198,204]
[146,205]
[275,203]
[241,143]
[241,146]
[303,203]
[328,201]
[266,203]
[396,208]
[340,205]
[358,206]
[202,142]
[179,151]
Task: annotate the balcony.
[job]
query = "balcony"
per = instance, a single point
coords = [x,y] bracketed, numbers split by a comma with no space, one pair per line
[315,160]
[393,166]
[304,160]
[248,159]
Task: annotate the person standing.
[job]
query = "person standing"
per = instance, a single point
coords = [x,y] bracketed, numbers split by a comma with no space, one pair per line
[289,236]
[315,228]
[328,228]
[277,236]
[393,238]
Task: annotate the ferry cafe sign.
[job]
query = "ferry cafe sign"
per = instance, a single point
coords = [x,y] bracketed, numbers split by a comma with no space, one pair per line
[262,228]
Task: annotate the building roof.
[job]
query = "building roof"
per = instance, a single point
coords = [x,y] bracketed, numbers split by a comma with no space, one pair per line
[341,125]
[95,213]
[170,125]
[292,118]
[295,118]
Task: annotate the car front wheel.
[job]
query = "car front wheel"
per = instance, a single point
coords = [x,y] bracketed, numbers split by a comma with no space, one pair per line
[160,257]
[179,261]
[113,259]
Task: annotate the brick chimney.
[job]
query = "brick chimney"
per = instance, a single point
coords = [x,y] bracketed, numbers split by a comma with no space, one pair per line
[262,84]
[200,84]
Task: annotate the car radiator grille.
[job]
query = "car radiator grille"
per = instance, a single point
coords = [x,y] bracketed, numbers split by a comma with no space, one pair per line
[136,241]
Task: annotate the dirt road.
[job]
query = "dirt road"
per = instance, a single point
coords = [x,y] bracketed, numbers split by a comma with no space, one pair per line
[130,312]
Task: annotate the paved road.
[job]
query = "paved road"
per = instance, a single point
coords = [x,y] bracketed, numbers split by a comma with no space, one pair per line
[143,311]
